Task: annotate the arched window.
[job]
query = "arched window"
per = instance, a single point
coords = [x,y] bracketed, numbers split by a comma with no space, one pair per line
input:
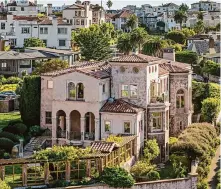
[80,91]
[71,91]
[180,99]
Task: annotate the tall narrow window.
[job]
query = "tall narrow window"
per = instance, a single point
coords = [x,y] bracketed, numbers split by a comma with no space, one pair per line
[80,91]
[125,91]
[71,91]
[157,121]
[180,99]
[181,125]
[107,126]
[133,91]
[48,117]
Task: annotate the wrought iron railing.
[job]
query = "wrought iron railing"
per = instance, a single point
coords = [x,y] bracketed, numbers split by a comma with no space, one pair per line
[61,134]
[75,135]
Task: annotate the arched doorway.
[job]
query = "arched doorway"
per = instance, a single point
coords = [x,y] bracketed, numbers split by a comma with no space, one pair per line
[75,125]
[89,126]
[61,124]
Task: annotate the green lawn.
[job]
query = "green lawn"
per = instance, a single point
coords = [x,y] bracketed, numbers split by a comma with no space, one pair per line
[6,117]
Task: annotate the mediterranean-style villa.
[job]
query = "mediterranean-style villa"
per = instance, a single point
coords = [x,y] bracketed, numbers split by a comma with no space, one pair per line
[133,94]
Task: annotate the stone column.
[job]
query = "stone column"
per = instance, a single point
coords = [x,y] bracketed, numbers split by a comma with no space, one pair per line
[88,168]
[68,171]
[46,173]
[82,128]
[97,130]
[54,131]
[24,174]
[67,129]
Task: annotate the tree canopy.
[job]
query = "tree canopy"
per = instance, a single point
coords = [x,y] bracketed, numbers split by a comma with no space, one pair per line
[124,44]
[151,150]
[94,42]
[109,4]
[34,42]
[199,27]
[180,17]
[132,22]
[188,32]
[183,7]
[176,36]
[211,67]
[189,57]
[49,66]
[138,37]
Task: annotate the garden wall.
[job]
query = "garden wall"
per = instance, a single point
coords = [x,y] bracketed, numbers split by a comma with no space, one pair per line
[6,106]
[181,183]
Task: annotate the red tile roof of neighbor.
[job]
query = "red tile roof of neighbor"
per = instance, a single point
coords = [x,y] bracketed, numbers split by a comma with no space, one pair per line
[135,58]
[122,14]
[28,18]
[120,106]
[99,70]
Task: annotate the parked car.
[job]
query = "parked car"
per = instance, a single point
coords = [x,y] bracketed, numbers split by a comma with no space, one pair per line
[8,93]
[197,77]
[3,97]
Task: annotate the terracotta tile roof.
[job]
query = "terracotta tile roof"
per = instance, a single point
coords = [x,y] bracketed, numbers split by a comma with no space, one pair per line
[28,18]
[109,16]
[174,67]
[120,106]
[49,22]
[122,14]
[162,71]
[99,70]
[135,58]
[103,146]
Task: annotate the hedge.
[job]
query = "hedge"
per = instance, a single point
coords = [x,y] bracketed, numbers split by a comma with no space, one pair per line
[21,128]
[30,100]
[10,136]
[6,144]
[176,36]
[12,80]
[13,122]
[189,57]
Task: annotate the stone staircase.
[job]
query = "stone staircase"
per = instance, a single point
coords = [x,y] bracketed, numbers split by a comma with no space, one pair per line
[34,143]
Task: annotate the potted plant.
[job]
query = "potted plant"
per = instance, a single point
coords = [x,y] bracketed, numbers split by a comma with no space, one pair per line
[6,155]
[159,99]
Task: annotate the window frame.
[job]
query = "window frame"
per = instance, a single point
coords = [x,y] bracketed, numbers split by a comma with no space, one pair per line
[124,127]
[48,118]
[2,24]
[129,91]
[179,99]
[24,28]
[159,120]
[104,88]
[50,84]
[43,30]
[60,44]
[64,31]
[68,91]
[105,126]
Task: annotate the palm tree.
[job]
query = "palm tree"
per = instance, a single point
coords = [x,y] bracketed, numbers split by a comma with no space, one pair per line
[180,17]
[200,15]
[199,27]
[132,22]
[124,44]
[138,37]
[109,4]
[183,7]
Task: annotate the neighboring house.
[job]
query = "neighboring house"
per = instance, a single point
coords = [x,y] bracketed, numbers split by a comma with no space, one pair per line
[119,20]
[13,63]
[22,8]
[55,32]
[132,95]
[169,8]
[205,6]
[82,15]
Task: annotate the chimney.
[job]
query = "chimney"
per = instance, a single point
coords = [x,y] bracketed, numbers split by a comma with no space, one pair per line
[169,54]
[211,46]
[49,9]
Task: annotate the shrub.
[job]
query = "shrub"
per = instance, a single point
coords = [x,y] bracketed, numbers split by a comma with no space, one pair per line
[6,144]
[13,122]
[153,175]
[115,139]
[117,177]
[35,130]
[202,185]
[10,136]
[176,36]
[141,168]
[30,100]
[212,68]
[189,57]
[2,153]
[60,183]
[218,186]
[12,80]
[210,109]
[4,185]
[20,128]
[151,150]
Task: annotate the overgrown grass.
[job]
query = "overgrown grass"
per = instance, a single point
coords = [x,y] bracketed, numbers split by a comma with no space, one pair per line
[8,87]
[6,117]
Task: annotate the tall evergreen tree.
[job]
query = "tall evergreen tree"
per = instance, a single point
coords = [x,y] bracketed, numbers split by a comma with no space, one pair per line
[109,4]
[180,17]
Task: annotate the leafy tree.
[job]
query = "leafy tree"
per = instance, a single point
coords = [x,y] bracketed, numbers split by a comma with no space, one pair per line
[183,7]
[200,15]
[180,17]
[211,67]
[30,100]
[189,57]
[199,27]
[93,42]
[124,43]
[138,37]
[34,42]
[109,4]
[210,109]
[188,32]
[49,66]
[218,27]
[117,177]
[4,185]
[132,22]
[151,150]
[176,36]
[177,47]
[141,168]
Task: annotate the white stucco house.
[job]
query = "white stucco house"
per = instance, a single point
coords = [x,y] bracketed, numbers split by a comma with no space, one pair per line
[133,94]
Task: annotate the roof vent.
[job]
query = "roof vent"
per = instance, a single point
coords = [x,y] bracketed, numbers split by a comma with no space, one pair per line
[111,100]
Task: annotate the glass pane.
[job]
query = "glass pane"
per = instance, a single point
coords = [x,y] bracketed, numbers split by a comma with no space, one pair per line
[133,90]
[107,126]
[182,101]
[127,127]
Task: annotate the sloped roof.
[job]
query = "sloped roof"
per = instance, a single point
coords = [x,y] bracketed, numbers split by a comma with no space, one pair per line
[28,18]
[175,67]
[14,3]
[57,51]
[74,6]
[49,22]
[138,58]
[122,14]
[120,106]
[98,70]
[163,71]
[103,146]
[170,4]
